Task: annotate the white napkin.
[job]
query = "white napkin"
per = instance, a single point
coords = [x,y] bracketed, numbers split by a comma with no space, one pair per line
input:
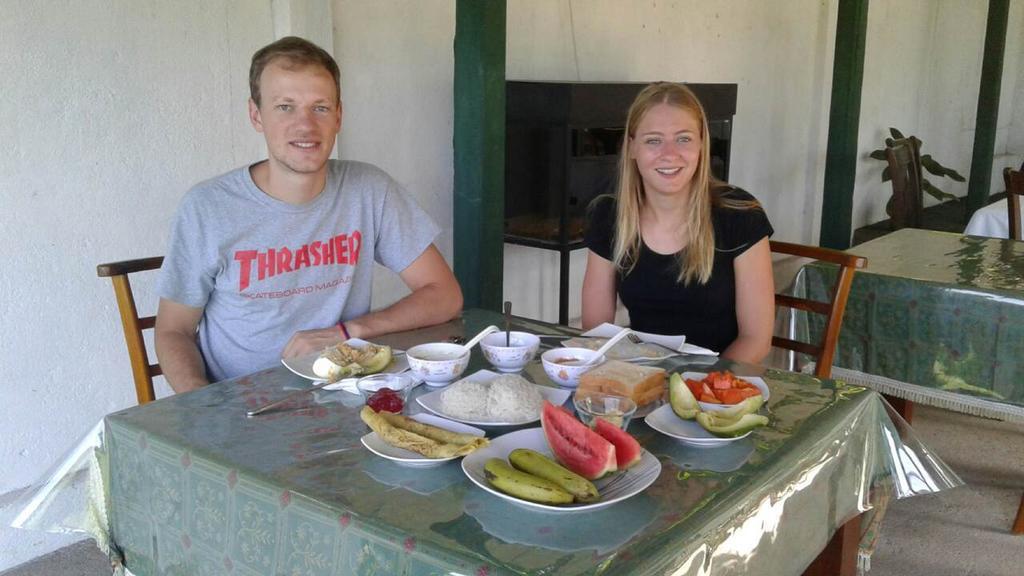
[677,343]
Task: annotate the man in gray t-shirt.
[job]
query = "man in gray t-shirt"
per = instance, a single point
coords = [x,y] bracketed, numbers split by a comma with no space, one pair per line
[276,259]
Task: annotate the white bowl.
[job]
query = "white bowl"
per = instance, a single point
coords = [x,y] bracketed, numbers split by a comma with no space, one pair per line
[568,373]
[437,363]
[510,358]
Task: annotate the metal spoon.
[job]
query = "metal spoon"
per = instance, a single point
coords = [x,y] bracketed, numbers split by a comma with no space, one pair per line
[608,345]
[508,331]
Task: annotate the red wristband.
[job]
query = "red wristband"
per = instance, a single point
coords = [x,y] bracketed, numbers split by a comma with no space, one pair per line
[344,331]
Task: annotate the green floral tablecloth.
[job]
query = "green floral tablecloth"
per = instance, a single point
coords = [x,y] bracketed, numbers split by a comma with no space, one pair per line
[939,312]
[192,486]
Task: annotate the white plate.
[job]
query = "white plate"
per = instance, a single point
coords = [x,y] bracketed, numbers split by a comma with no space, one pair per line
[432,400]
[624,351]
[375,444]
[709,407]
[563,532]
[689,432]
[607,330]
[613,488]
[303,366]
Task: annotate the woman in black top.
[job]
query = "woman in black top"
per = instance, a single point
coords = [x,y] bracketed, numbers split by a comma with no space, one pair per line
[686,253]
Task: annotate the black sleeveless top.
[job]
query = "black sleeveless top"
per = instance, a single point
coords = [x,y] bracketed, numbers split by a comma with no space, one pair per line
[657,303]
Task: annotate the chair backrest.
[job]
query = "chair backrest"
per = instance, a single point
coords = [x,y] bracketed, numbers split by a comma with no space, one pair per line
[1014,190]
[907,202]
[824,351]
[142,371]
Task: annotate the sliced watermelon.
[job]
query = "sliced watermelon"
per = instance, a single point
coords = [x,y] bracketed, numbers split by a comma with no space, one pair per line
[627,450]
[577,447]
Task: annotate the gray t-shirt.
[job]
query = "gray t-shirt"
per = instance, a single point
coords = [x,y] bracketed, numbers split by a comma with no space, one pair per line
[263,269]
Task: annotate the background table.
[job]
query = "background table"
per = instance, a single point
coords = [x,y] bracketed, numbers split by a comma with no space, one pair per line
[192,486]
[935,318]
[991,220]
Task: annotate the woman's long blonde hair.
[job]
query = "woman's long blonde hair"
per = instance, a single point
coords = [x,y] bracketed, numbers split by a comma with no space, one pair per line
[698,256]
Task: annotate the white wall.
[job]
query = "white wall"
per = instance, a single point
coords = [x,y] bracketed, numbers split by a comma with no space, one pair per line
[397,70]
[111,110]
[921,74]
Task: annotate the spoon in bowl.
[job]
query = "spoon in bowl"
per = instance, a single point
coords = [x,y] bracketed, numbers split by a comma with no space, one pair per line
[608,346]
[483,333]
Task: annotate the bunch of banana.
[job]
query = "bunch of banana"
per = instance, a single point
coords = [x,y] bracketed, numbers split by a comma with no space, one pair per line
[535,477]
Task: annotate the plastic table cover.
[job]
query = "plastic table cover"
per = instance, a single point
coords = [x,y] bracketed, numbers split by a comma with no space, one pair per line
[189,485]
[936,318]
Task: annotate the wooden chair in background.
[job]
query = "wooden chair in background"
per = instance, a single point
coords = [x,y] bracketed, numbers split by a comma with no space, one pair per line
[907,201]
[1014,190]
[825,350]
[142,370]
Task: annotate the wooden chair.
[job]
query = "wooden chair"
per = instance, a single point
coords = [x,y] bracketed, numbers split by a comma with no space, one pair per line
[907,202]
[142,371]
[824,351]
[1014,190]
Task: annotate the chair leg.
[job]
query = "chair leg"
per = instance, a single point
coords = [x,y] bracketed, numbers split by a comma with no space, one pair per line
[904,408]
[1018,523]
[839,558]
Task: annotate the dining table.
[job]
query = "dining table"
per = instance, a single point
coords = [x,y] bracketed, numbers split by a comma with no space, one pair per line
[935,318]
[992,220]
[190,485]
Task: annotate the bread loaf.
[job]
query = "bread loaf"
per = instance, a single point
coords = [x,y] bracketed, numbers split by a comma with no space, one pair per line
[643,384]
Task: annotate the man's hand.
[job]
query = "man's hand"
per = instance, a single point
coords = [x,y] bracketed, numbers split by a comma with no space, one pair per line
[309,341]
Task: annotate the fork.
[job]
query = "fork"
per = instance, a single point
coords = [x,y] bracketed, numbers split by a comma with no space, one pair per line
[632,337]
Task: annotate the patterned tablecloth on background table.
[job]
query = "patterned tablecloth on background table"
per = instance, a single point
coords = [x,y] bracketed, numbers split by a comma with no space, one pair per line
[937,318]
[192,486]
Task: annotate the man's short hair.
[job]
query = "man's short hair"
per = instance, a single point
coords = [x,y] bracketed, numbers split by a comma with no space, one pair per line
[297,53]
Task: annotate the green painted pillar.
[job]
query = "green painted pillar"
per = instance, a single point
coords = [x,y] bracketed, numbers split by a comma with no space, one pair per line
[479,200]
[843,124]
[988,106]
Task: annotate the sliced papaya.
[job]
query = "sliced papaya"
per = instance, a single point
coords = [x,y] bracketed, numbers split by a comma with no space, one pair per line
[710,399]
[749,392]
[695,386]
[730,396]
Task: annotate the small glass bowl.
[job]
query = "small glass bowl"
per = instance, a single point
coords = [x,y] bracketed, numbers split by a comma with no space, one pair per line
[617,410]
[374,384]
